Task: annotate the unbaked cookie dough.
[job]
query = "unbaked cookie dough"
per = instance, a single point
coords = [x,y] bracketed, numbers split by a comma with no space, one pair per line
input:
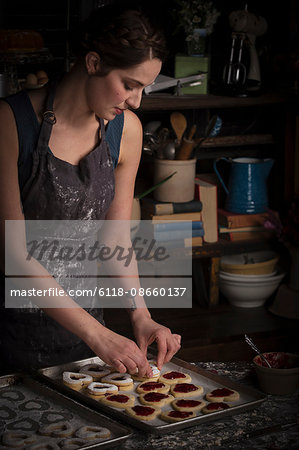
[214,406]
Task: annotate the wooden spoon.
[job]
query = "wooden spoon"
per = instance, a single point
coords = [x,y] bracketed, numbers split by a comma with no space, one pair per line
[179,124]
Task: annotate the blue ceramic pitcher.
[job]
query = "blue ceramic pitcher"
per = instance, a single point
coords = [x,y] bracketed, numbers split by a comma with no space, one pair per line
[247,185]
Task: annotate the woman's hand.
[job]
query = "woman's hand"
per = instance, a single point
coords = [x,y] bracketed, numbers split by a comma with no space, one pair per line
[120,352]
[148,331]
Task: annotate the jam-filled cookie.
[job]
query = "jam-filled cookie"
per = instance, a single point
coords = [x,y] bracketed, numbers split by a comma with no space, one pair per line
[155,398]
[142,412]
[173,377]
[95,370]
[76,380]
[124,381]
[118,400]
[215,406]
[182,404]
[185,390]
[177,416]
[153,386]
[155,377]
[98,389]
[223,395]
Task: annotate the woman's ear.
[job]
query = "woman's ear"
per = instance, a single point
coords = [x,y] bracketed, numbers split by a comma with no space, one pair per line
[92,61]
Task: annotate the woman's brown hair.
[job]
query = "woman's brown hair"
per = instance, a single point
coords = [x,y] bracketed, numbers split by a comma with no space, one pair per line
[122,37]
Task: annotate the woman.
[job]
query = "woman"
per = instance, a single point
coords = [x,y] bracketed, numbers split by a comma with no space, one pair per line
[58,166]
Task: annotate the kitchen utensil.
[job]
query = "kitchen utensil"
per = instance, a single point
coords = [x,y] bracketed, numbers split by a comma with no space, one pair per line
[254,347]
[169,150]
[148,191]
[179,124]
[212,129]
[247,187]
[151,127]
[185,150]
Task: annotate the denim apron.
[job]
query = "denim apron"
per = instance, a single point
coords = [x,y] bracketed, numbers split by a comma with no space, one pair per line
[57,190]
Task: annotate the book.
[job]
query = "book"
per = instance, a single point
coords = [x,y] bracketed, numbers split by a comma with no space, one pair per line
[178,225]
[190,216]
[241,229]
[182,243]
[157,208]
[234,220]
[176,234]
[253,235]
[206,192]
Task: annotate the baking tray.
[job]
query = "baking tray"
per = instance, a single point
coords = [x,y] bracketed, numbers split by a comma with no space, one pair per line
[249,398]
[26,404]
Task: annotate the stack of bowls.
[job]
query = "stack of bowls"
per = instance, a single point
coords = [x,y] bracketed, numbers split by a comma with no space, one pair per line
[248,279]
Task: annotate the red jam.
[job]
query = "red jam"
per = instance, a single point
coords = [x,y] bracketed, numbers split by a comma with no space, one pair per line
[154,397]
[143,410]
[119,398]
[278,360]
[187,403]
[180,414]
[119,379]
[217,406]
[152,385]
[223,392]
[173,375]
[185,387]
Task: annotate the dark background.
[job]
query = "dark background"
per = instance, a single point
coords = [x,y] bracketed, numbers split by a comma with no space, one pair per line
[278,49]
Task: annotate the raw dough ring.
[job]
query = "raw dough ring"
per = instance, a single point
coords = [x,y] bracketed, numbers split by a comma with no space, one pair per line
[17,439]
[98,389]
[181,404]
[138,412]
[177,416]
[214,407]
[122,380]
[92,432]
[76,380]
[43,446]
[59,429]
[95,370]
[112,400]
[223,395]
[181,390]
[72,443]
[152,386]
[155,399]
[174,377]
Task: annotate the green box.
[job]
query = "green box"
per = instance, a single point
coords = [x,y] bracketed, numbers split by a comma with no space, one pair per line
[192,65]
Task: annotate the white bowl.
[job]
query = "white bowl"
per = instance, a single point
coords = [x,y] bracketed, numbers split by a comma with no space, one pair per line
[250,263]
[249,294]
[237,277]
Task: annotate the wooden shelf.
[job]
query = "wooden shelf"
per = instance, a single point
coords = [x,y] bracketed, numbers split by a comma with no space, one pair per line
[162,102]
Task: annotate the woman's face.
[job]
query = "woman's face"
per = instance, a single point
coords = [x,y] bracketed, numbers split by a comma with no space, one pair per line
[120,89]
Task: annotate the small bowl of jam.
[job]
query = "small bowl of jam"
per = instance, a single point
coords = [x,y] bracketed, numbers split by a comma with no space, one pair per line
[283,376]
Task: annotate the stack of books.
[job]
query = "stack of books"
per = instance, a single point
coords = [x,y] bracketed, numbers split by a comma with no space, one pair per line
[206,192]
[174,224]
[244,227]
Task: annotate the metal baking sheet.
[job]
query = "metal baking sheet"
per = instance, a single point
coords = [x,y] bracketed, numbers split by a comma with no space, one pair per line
[26,405]
[249,398]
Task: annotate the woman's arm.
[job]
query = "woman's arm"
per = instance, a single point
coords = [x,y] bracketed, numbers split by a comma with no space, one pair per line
[145,329]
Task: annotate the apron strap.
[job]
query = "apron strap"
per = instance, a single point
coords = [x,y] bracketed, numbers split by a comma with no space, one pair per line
[49,120]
